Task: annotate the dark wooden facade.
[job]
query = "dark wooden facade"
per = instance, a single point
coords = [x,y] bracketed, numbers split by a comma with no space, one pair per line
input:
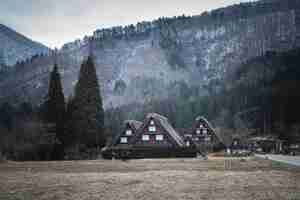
[203,136]
[125,137]
[155,137]
[157,132]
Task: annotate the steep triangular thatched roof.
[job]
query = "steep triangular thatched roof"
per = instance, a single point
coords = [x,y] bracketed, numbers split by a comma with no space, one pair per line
[221,137]
[183,131]
[134,125]
[167,126]
[156,116]
[164,122]
[199,118]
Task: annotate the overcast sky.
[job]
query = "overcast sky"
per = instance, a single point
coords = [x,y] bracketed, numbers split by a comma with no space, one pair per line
[55,22]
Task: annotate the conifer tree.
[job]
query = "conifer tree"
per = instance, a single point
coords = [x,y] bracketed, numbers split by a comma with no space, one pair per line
[2,60]
[88,113]
[71,137]
[55,104]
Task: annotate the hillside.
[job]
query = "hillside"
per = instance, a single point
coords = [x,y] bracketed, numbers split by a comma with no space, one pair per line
[16,47]
[152,60]
[264,95]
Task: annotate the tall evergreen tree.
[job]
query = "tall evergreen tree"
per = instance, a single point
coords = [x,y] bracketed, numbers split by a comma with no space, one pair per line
[2,59]
[88,113]
[55,105]
[71,137]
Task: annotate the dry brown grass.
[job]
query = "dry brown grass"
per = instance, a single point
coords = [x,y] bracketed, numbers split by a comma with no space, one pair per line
[215,178]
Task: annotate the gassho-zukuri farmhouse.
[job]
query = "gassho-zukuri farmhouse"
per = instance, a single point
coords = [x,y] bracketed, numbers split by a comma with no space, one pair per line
[155,137]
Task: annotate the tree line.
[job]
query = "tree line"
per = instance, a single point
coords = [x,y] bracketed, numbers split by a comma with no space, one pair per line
[57,129]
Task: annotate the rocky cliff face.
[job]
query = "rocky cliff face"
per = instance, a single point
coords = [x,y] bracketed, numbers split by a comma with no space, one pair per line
[151,60]
[15,47]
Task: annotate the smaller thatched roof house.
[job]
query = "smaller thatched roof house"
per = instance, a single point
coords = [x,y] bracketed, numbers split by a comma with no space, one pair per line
[124,137]
[203,135]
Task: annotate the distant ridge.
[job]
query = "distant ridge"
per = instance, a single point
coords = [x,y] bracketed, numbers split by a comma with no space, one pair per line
[17,47]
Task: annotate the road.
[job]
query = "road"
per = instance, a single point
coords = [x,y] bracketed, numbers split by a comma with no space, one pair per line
[292,160]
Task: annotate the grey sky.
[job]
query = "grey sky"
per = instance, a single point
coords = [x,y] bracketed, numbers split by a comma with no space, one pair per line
[55,22]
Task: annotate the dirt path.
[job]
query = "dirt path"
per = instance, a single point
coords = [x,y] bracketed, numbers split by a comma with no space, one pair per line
[149,179]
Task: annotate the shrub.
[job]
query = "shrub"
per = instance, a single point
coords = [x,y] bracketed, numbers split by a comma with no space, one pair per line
[2,157]
[82,152]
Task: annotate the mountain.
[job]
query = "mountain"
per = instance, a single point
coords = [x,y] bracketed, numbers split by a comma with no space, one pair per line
[159,59]
[16,47]
[263,94]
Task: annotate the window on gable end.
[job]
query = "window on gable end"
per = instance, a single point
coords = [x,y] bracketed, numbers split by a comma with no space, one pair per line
[159,137]
[145,138]
[128,132]
[123,140]
[152,128]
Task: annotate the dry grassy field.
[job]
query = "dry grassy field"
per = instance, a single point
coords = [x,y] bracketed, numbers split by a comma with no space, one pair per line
[215,178]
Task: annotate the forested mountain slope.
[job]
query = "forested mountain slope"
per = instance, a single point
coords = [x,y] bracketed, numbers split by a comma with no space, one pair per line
[153,60]
[16,47]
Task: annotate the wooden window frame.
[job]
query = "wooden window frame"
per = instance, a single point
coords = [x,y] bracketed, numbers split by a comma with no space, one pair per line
[143,137]
[160,135]
[127,131]
[122,141]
